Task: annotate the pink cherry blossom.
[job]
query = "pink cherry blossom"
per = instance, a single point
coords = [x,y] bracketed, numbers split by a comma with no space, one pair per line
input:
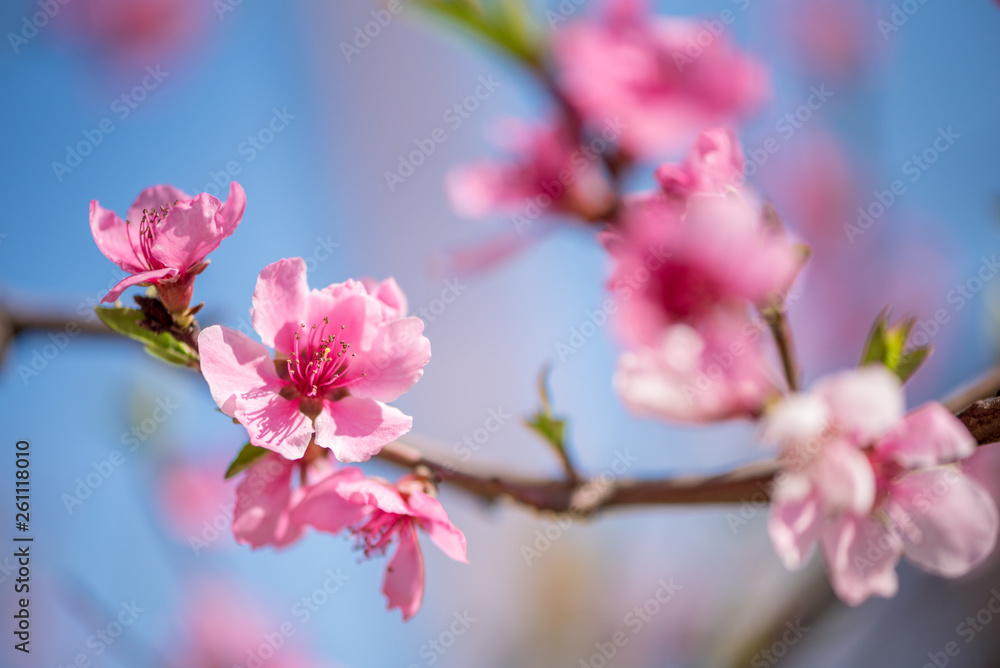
[713,370]
[222,626]
[132,34]
[677,264]
[870,485]
[713,165]
[268,494]
[341,353]
[656,75]
[391,514]
[165,239]
[192,497]
[548,174]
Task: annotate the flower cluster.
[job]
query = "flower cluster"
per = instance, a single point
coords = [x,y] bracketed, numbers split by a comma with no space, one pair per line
[340,354]
[701,256]
[871,484]
[270,510]
[702,268]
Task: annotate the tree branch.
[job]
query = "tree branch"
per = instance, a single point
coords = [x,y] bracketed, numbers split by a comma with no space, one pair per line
[588,496]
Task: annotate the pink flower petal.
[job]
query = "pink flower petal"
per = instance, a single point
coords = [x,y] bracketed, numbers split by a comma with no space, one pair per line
[275,423]
[355,428]
[795,525]
[861,557]
[389,293]
[795,420]
[231,212]
[865,402]
[926,437]
[368,492]
[434,520]
[949,523]
[843,477]
[188,233]
[112,238]
[135,279]
[693,375]
[245,385]
[325,505]
[261,515]
[280,303]
[404,577]
[153,198]
[395,361]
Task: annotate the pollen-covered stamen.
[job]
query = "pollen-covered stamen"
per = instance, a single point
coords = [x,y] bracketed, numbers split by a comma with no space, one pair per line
[376,534]
[143,245]
[320,360]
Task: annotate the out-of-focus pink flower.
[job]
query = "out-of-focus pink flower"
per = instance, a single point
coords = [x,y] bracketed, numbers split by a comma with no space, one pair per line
[341,353]
[548,174]
[712,370]
[829,38]
[683,264]
[223,627]
[165,239]
[689,261]
[195,502]
[713,165]
[816,187]
[657,74]
[136,33]
[389,514]
[872,485]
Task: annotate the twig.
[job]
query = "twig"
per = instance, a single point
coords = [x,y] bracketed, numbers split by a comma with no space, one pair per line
[591,496]
[775,318]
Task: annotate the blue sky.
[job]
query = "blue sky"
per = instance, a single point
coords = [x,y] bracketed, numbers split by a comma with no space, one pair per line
[317,190]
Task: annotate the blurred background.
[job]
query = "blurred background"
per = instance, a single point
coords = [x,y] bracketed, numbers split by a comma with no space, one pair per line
[105,97]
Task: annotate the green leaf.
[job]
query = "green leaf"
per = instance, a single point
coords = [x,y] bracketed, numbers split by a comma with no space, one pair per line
[911,361]
[248,455]
[505,24]
[543,422]
[875,347]
[551,429]
[886,344]
[126,321]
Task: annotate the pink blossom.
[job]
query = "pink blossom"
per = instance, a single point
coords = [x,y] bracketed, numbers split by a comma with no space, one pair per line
[828,38]
[871,485]
[391,514]
[678,264]
[132,34]
[165,239]
[192,497]
[713,165]
[712,370]
[341,353]
[548,173]
[222,626]
[268,494]
[689,261]
[656,75]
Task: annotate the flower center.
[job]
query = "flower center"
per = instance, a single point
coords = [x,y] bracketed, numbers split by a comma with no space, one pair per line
[375,535]
[143,245]
[885,470]
[320,359]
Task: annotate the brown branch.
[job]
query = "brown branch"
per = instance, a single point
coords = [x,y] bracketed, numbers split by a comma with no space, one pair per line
[13,324]
[775,318]
[981,388]
[588,497]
